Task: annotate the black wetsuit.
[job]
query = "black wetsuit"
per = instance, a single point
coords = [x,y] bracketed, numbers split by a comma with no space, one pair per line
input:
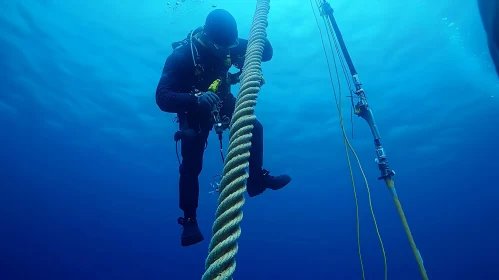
[175,94]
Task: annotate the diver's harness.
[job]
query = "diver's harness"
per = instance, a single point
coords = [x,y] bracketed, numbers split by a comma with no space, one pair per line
[220,86]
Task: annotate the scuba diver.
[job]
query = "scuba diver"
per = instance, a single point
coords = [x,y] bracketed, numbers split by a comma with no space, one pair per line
[195,84]
[489,13]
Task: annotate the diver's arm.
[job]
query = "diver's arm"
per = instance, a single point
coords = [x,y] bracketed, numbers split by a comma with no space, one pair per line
[176,72]
[234,78]
[268,51]
[239,52]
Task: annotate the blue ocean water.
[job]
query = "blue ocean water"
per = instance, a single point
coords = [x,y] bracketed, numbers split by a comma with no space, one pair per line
[89,171]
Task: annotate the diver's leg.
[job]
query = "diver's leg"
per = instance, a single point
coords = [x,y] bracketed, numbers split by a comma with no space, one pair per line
[256,149]
[192,149]
[259,178]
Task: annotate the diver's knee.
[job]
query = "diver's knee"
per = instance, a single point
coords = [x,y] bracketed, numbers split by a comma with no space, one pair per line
[190,168]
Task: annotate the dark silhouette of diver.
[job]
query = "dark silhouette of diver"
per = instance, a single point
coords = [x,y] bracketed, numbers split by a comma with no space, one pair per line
[204,56]
[489,13]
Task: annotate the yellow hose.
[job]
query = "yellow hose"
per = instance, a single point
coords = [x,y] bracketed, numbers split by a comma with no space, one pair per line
[391,187]
[221,263]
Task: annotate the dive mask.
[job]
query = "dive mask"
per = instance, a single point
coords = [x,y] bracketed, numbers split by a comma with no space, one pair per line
[219,50]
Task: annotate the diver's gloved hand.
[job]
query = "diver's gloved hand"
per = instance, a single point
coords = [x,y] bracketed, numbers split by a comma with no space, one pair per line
[208,100]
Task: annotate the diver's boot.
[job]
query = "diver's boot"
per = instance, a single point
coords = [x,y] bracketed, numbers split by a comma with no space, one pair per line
[257,184]
[275,182]
[191,234]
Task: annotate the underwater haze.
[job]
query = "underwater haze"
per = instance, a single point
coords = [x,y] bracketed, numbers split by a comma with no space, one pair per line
[89,174]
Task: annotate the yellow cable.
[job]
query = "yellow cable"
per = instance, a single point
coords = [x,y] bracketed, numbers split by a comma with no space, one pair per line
[347,143]
[389,182]
[221,263]
[362,171]
[391,186]
[370,206]
[346,150]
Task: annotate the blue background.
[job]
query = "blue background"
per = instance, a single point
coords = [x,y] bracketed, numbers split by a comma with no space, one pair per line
[89,172]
